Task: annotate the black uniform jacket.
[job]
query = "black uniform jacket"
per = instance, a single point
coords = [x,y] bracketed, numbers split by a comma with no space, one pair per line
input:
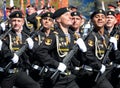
[48,52]
[96,49]
[5,55]
[14,43]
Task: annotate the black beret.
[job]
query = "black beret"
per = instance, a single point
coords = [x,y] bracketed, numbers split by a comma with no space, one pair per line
[16,14]
[71,6]
[112,5]
[45,7]
[97,12]
[75,14]
[111,13]
[51,7]
[14,7]
[47,14]
[32,5]
[60,12]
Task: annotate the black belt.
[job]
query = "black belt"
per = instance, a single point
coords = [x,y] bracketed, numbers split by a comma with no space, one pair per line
[14,70]
[85,67]
[116,65]
[46,69]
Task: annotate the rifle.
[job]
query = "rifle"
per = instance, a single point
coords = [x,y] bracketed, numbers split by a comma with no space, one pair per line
[19,52]
[4,35]
[107,54]
[67,58]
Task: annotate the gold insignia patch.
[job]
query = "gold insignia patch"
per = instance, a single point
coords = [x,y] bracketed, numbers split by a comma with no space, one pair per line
[100,11]
[17,15]
[109,13]
[90,43]
[49,15]
[117,37]
[61,39]
[48,41]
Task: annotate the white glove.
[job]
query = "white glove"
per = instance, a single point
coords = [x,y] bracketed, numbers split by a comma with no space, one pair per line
[30,43]
[81,45]
[39,12]
[87,25]
[1,44]
[3,26]
[114,41]
[15,59]
[35,66]
[62,67]
[103,68]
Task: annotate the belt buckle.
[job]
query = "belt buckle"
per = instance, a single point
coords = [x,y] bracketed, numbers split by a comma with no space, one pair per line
[15,70]
[88,68]
[68,72]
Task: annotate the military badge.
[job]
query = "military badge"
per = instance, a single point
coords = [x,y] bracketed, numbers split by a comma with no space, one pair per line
[117,37]
[100,11]
[48,41]
[75,13]
[109,13]
[17,15]
[61,39]
[90,43]
[48,15]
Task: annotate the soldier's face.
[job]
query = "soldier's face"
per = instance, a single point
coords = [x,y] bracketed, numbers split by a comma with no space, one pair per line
[31,10]
[47,22]
[111,21]
[99,20]
[66,19]
[17,23]
[76,22]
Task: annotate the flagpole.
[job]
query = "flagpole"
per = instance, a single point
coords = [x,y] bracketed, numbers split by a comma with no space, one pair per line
[103,5]
[11,3]
[4,10]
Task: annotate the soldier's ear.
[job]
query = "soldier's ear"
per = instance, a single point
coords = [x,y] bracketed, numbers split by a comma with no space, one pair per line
[58,20]
[23,21]
[116,21]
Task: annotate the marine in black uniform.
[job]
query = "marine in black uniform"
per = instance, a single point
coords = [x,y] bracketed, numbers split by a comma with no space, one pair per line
[97,43]
[5,57]
[32,20]
[77,20]
[15,40]
[46,29]
[56,46]
[113,30]
[78,33]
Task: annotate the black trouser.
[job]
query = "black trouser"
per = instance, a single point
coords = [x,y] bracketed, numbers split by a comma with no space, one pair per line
[66,82]
[114,77]
[86,79]
[104,84]
[20,79]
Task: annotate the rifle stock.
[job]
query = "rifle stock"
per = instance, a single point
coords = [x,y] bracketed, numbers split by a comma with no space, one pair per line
[104,60]
[4,35]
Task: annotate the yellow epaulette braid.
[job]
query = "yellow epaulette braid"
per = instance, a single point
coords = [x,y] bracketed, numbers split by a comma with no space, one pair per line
[55,32]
